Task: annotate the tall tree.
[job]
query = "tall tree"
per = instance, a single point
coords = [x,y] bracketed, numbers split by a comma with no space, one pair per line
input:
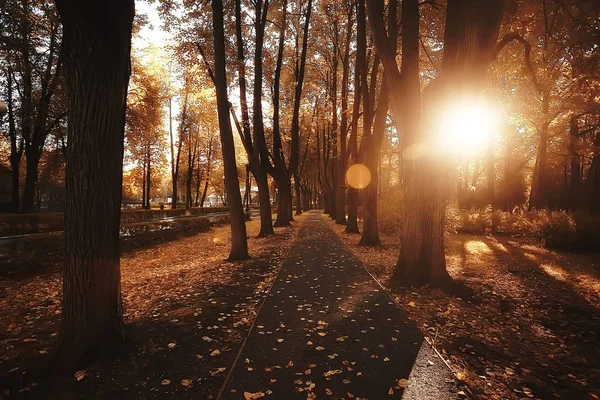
[239,242]
[471,31]
[96,54]
[31,50]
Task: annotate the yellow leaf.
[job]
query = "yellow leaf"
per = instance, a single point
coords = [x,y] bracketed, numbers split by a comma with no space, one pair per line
[391,391]
[186,382]
[79,375]
[165,382]
[403,383]
[412,303]
[252,396]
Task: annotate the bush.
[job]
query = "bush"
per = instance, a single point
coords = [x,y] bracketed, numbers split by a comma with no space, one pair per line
[474,222]
[559,231]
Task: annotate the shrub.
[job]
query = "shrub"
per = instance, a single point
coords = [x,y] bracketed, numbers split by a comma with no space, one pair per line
[474,221]
[559,230]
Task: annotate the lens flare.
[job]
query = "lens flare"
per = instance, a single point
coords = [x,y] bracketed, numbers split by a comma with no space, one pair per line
[358,176]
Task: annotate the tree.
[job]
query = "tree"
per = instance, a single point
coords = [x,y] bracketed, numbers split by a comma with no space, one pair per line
[96,54]
[31,56]
[471,31]
[239,244]
[145,142]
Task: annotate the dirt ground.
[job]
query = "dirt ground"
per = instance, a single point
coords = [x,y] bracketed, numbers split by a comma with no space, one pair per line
[527,324]
[186,312]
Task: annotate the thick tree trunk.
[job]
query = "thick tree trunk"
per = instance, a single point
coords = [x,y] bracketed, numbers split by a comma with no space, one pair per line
[239,243]
[96,50]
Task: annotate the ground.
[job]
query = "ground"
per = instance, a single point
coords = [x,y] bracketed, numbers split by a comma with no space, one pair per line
[527,324]
[524,325]
[186,312]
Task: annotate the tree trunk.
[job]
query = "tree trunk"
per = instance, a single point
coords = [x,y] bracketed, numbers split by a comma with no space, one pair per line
[16,145]
[370,234]
[298,199]
[360,64]
[96,50]
[144,185]
[148,177]
[575,181]
[539,189]
[266,229]
[593,180]
[284,194]
[239,243]
[343,159]
[31,175]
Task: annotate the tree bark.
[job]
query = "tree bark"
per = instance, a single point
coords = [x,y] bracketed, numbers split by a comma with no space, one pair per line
[239,243]
[96,50]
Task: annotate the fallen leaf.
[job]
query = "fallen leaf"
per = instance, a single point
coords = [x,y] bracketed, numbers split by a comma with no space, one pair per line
[79,375]
[403,383]
[252,396]
[186,382]
[165,382]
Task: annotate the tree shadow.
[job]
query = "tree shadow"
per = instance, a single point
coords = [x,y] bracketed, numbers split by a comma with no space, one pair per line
[550,328]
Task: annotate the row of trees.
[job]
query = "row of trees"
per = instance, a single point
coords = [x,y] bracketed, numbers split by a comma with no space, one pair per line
[316,88]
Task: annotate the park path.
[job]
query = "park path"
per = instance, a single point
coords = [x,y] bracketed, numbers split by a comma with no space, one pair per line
[328,330]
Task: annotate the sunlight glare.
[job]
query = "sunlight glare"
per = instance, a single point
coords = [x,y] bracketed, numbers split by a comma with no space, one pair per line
[466,127]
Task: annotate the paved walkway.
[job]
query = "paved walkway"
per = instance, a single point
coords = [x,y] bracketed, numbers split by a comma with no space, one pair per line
[328,330]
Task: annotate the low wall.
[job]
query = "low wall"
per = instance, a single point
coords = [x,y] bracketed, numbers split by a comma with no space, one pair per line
[20,224]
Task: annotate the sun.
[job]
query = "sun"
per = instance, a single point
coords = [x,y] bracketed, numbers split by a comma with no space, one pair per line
[466,127]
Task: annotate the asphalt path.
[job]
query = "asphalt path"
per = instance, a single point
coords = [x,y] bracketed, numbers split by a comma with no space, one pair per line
[327,329]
